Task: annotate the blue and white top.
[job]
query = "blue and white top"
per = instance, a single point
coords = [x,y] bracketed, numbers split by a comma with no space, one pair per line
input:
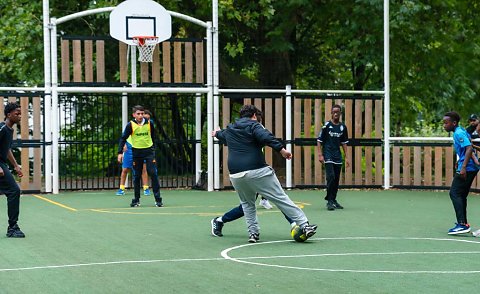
[461,140]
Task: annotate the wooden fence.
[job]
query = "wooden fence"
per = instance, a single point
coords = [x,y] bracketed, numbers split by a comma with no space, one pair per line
[413,165]
[28,139]
[179,61]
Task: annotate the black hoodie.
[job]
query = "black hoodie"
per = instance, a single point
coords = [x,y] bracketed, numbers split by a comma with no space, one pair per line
[245,140]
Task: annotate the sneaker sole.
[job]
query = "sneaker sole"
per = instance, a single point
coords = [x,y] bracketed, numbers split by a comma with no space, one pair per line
[459,232]
[212,231]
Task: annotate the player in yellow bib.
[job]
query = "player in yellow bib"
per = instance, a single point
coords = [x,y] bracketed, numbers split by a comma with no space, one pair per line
[142,135]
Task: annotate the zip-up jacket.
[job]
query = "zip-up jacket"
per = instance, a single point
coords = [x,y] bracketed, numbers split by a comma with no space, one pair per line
[245,139]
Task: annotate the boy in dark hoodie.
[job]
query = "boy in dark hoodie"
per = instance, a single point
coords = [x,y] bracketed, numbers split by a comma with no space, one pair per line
[249,173]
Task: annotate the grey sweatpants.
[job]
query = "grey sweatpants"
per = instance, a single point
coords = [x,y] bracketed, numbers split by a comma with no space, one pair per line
[265,182]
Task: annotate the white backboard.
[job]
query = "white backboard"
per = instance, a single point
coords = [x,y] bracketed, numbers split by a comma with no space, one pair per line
[140,18]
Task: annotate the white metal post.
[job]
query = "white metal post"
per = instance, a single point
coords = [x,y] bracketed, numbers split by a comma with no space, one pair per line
[198,137]
[54,114]
[386,101]
[288,134]
[210,126]
[216,108]
[47,162]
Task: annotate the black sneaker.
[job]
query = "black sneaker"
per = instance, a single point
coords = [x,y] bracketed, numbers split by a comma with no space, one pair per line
[158,202]
[309,230]
[337,205]
[15,232]
[253,238]
[216,227]
[135,202]
[330,205]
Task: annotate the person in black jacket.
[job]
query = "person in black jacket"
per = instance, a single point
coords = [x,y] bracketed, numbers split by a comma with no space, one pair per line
[249,173]
[235,213]
[8,185]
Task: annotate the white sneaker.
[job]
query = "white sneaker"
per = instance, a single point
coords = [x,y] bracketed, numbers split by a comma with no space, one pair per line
[265,204]
[476,233]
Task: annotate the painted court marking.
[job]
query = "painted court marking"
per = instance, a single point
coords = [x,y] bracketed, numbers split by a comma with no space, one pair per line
[225,254]
[54,202]
[247,260]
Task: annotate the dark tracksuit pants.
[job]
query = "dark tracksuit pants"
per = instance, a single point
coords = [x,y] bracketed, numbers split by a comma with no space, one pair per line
[332,172]
[141,157]
[458,194]
[10,188]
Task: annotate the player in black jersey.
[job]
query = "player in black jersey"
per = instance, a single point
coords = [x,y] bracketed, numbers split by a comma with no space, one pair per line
[333,135]
[8,185]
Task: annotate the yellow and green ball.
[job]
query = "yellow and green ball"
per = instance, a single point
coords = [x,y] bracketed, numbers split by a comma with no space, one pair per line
[298,234]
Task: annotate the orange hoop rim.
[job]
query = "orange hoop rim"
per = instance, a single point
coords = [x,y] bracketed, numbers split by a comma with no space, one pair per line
[141,40]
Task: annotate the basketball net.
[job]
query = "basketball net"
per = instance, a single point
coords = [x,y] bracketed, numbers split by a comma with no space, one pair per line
[146,46]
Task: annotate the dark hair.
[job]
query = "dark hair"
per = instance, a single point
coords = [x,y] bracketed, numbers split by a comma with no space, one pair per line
[11,106]
[453,116]
[337,106]
[248,111]
[148,112]
[137,107]
[259,115]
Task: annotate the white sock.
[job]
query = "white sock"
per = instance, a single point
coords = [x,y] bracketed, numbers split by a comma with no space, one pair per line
[219,219]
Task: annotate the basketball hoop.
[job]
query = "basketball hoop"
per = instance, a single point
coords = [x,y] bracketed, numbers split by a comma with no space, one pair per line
[146,45]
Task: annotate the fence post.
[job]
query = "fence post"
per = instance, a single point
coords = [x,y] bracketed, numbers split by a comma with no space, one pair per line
[288,133]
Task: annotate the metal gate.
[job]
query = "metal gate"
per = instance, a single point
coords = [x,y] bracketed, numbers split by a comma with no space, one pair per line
[91,126]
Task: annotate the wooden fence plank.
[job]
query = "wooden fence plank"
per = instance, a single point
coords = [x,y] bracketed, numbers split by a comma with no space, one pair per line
[37,135]
[177,62]
[167,71]
[438,165]
[100,60]
[144,72]
[318,126]
[268,123]
[156,77]
[406,160]
[88,60]
[417,166]
[349,123]
[396,166]
[378,134]
[199,66]
[358,134]
[65,54]
[77,61]
[225,121]
[123,48]
[368,149]
[449,165]
[307,150]
[188,62]
[297,150]
[427,166]
[24,153]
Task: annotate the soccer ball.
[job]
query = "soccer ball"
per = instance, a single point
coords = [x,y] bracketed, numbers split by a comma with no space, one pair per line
[298,234]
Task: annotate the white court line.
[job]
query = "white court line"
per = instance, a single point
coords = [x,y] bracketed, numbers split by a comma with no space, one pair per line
[108,263]
[245,259]
[225,257]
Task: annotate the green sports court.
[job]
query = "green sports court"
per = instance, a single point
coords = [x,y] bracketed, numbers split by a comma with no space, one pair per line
[382,242]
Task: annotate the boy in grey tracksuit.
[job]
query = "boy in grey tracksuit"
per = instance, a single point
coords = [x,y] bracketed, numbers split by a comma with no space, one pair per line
[249,173]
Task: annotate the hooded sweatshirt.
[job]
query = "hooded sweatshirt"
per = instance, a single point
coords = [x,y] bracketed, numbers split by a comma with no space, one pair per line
[245,139]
